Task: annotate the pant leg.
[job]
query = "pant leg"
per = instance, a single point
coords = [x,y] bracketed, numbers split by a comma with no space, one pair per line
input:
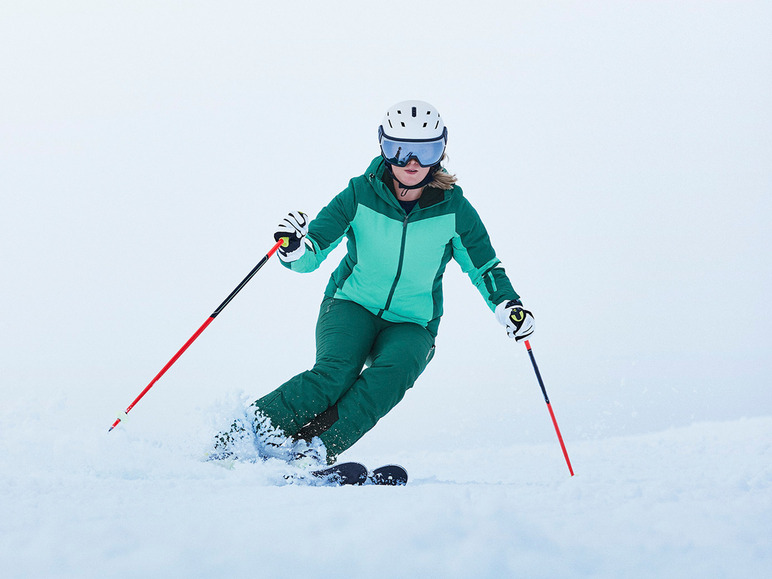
[345,333]
[399,355]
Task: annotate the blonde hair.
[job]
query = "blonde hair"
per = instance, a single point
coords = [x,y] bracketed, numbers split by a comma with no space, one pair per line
[443,179]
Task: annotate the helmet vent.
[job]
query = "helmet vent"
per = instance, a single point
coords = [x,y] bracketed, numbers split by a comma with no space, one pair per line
[413,120]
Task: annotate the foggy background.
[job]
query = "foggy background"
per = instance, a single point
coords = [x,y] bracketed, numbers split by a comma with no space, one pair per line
[618,152]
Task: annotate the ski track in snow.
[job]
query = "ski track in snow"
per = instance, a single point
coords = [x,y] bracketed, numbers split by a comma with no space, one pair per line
[686,502]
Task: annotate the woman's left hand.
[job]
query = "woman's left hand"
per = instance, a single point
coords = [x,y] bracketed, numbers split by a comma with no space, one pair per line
[517,320]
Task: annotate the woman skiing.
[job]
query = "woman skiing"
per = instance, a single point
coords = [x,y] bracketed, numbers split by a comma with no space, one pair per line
[403,220]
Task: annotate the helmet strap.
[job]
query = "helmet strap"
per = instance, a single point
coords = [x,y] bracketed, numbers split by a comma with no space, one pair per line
[426,180]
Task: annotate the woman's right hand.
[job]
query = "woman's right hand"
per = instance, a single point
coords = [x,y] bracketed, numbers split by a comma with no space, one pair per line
[292,230]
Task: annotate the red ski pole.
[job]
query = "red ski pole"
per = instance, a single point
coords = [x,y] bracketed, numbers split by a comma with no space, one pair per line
[549,406]
[203,327]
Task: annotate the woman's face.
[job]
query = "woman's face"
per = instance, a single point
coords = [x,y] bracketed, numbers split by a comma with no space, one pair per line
[410,174]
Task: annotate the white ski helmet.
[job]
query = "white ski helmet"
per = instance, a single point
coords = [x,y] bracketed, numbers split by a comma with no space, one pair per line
[412,129]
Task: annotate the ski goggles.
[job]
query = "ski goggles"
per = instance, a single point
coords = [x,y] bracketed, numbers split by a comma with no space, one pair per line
[398,152]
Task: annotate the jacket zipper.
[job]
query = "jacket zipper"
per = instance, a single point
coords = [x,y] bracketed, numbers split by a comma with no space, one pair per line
[393,289]
[399,267]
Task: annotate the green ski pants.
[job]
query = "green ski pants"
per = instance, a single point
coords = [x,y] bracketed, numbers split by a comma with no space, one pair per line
[337,400]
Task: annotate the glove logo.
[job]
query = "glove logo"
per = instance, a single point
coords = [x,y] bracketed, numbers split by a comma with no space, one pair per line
[517,316]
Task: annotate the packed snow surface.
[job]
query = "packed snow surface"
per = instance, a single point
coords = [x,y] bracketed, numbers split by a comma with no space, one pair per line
[694,501]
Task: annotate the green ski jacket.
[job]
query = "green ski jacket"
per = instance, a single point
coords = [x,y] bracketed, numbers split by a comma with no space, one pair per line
[396,260]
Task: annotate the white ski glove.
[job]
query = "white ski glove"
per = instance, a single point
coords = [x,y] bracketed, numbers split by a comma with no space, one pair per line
[517,320]
[293,230]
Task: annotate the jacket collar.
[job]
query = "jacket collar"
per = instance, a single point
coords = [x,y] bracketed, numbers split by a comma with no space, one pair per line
[430,196]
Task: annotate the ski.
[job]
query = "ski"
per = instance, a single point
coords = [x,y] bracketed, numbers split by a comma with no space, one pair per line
[345,473]
[354,473]
[390,474]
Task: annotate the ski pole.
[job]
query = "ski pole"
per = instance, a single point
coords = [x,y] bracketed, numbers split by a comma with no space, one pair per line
[198,332]
[549,406]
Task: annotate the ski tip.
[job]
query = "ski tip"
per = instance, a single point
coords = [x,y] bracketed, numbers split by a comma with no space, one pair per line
[389,475]
[346,473]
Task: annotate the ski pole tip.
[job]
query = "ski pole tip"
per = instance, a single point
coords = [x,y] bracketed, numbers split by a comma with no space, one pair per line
[121,416]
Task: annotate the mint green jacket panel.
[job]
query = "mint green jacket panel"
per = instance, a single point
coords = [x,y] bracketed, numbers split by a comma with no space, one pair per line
[395,261]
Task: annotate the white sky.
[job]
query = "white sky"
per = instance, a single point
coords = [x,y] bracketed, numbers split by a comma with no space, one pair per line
[619,153]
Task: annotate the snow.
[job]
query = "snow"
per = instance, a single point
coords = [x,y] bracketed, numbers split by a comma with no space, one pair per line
[619,155]
[690,501]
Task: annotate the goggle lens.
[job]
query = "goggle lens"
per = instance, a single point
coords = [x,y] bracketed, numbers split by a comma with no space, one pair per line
[399,153]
